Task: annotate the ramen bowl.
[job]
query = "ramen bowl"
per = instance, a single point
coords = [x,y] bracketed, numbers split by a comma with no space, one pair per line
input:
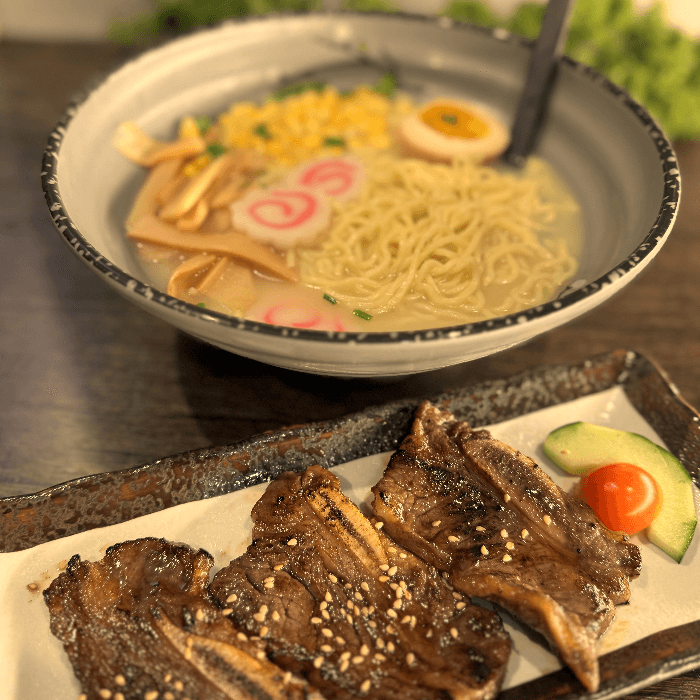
[609,151]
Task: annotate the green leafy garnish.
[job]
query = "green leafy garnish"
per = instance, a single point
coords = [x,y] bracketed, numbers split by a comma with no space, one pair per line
[202,305]
[362,314]
[204,123]
[262,131]
[297,89]
[334,141]
[328,297]
[215,149]
[386,85]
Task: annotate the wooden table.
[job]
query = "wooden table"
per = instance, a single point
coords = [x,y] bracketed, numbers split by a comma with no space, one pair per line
[90,383]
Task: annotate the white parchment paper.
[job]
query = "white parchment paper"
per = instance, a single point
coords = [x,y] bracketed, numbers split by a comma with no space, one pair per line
[33,663]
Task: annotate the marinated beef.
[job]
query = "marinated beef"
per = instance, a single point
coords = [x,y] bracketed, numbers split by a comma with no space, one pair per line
[337,601]
[140,624]
[503,531]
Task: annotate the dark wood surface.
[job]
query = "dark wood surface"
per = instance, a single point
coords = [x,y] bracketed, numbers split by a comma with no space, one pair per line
[90,383]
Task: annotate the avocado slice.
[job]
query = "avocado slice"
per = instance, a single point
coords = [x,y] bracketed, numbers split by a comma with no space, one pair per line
[581,447]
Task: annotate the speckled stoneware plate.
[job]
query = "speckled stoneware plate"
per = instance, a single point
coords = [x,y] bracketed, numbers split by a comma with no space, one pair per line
[204,498]
[614,157]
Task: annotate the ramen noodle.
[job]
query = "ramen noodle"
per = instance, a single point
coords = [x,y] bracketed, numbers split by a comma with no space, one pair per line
[322,210]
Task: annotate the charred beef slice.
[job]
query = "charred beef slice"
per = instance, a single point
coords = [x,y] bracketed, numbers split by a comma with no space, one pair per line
[337,601]
[140,624]
[503,531]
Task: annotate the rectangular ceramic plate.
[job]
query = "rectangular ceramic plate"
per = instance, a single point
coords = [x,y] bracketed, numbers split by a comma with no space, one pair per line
[204,498]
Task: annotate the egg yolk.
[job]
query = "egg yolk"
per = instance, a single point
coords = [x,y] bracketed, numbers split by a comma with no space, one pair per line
[454,121]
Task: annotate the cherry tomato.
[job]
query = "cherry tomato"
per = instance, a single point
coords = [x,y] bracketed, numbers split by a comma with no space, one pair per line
[623,496]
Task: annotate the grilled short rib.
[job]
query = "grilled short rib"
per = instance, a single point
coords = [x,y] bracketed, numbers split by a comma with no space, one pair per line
[140,624]
[503,531]
[338,602]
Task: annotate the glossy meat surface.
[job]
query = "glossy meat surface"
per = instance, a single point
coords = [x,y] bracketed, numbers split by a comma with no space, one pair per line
[503,531]
[337,601]
[140,624]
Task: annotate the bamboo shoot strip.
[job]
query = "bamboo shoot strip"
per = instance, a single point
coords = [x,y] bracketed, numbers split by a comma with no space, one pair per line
[150,229]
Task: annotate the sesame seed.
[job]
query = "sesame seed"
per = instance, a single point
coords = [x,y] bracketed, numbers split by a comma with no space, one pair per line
[547,520]
[260,655]
[119,696]
[358,595]
[270,584]
[414,619]
[454,633]
[452,538]
[366,685]
[263,631]
[524,534]
[507,558]
[168,677]
[325,615]
[226,611]
[349,619]
[316,620]
[403,585]
[364,650]
[479,528]
[327,648]
[318,662]
[326,632]
[405,619]
[268,579]
[379,525]
[461,606]
[410,658]
[436,523]
[152,695]
[358,659]
[391,549]
[384,567]
[484,550]
[348,586]
[380,657]
[456,595]
[399,592]
[365,611]
[504,533]
[392,571]
[371,609]
[390,629]
[383,579]
[105,693]
[393,585]
[506,497]
[349,605]
[510,545]
[263,609]
[179,686]
[397,604]
[345,655]
[356,611]
[344,665]
[188,653]
[120,680]
[333,579]
[339,640]
[328,597]
[287,677]
[275,615]
[292,542]
[233,597]
[364,586]
[278,567]
[323,605]
[372,624]
[391,612]
[390,647]
[259,617]
[379,643]
[403,555]
[82,696]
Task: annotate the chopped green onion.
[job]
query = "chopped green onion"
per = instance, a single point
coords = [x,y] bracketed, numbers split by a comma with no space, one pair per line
[386,85]
[262,131]
[204,123]
[334,141]
[328,297]
[202,305]
[449,118]
[215,149]
[362,314]
[297,89]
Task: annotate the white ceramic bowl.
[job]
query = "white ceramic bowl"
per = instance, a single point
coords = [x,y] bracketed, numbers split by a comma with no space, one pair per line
[614,157]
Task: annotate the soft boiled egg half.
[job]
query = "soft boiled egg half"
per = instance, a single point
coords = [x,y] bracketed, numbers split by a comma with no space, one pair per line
[445,129]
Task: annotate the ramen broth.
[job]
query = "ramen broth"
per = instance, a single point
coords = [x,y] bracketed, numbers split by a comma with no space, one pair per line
[333,293]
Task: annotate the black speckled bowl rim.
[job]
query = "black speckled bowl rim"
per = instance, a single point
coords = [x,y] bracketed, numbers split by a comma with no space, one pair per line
[101,265]
[107,499]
